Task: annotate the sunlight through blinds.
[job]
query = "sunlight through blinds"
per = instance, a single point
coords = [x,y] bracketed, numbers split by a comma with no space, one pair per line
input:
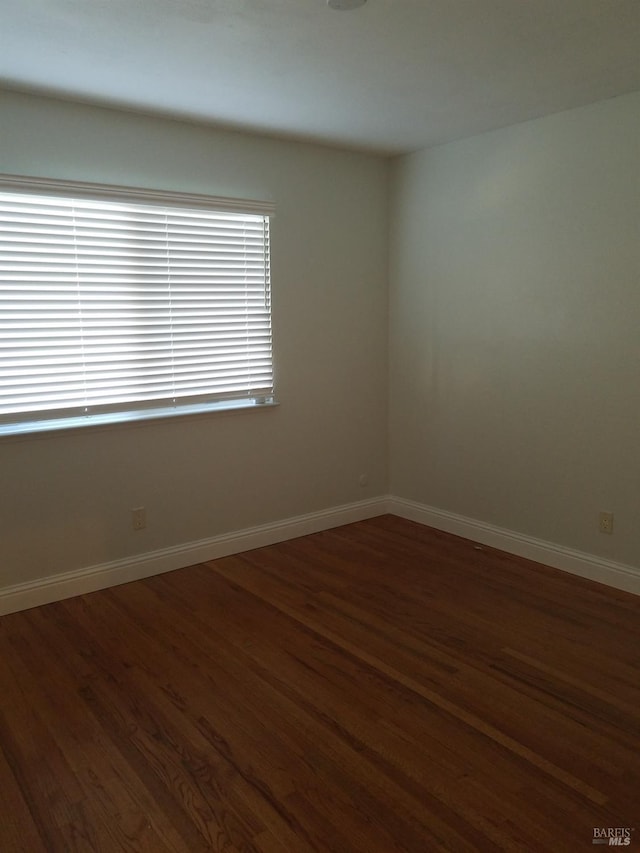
[114,307]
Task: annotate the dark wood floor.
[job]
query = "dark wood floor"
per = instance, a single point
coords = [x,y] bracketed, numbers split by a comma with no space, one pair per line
[379,687]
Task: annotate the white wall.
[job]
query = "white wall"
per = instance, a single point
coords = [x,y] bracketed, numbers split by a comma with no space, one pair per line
[65,499]
[514,359]
[515,328]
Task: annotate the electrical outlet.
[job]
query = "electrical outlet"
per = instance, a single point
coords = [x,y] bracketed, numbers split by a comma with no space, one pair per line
[605,523]
[139,518]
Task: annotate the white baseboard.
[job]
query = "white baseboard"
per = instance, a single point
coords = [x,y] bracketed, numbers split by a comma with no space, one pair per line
[44,591]
[617,575]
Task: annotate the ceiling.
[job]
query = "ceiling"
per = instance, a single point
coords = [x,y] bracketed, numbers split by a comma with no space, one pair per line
[392,76]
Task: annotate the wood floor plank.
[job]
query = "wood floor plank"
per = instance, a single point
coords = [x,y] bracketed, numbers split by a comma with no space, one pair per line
[18,830]
[307,696]
[55,797]
[300,750]
[107,781]
[458,711]
[378,687]
[182,780]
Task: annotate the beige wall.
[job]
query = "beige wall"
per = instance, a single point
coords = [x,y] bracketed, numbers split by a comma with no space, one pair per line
[515,328]
[65,499]
[514,309]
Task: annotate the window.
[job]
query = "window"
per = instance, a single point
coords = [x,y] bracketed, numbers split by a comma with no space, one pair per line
[119,304]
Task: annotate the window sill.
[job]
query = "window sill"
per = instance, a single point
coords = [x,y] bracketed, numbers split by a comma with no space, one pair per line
[130,418]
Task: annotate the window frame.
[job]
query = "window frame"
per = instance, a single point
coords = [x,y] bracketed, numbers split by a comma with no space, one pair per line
[47,420]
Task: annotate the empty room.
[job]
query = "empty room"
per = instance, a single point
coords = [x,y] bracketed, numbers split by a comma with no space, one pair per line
[319,425]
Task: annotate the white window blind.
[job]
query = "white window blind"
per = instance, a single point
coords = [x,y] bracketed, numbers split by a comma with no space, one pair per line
[119,304]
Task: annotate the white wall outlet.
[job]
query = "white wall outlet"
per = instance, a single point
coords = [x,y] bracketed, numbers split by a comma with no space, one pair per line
[605,523]
[139,518]
[363,479]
